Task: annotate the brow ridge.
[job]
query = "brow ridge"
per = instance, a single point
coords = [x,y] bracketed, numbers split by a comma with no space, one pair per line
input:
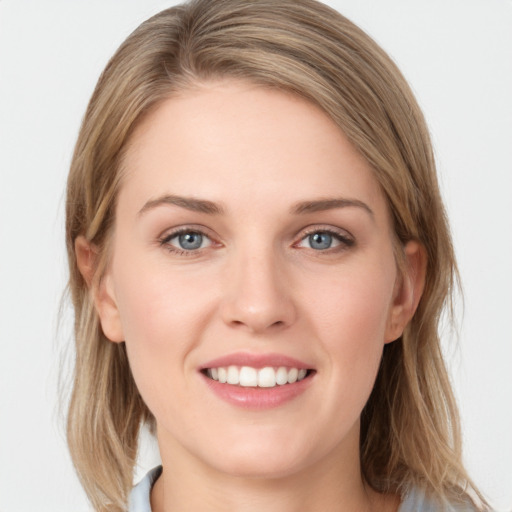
[189,203]
[319,205]
[212,208]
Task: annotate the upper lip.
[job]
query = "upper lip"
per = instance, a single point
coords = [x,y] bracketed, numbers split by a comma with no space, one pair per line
[256,361]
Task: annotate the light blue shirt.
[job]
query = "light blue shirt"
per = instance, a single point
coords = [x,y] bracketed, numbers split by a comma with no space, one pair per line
[413,501]
[139,497]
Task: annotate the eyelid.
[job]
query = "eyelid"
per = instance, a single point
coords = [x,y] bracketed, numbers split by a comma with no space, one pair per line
[324,228]
[342,235]
[345,238]
[167,235]
[185,228]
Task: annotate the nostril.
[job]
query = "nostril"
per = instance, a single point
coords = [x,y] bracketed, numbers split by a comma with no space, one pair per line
[257,313]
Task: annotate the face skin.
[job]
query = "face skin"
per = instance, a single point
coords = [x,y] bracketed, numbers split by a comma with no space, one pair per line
[280,269]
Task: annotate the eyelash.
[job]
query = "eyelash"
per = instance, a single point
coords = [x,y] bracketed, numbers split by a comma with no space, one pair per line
[345,241]
[164,241]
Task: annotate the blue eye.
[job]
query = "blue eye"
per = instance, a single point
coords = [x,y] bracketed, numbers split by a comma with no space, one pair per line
[190,241]
[323,240]
[320,241]
[186,241]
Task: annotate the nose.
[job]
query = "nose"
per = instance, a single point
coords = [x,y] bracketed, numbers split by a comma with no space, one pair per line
[258,294]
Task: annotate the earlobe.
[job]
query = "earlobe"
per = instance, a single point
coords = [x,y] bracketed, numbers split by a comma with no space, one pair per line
[101,290]
[408,291]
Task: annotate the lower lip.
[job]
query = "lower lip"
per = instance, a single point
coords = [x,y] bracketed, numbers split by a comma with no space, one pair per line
[258,398]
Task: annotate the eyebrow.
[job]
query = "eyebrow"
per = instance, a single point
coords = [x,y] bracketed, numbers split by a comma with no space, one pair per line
[321,205]
[189,203]
[211,208]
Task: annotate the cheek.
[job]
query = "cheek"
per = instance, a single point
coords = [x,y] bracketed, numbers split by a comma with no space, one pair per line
[353,306]
[159,312]
[350,319]
[157,301]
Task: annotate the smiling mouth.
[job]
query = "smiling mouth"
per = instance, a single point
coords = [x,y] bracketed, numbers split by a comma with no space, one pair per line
[267,377]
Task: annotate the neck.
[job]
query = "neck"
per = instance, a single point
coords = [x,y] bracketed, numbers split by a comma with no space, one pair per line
[332,484]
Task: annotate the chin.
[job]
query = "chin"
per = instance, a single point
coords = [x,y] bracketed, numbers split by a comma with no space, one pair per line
[264,458]
[261,468]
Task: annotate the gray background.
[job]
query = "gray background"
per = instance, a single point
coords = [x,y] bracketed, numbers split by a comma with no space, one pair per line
[457,55]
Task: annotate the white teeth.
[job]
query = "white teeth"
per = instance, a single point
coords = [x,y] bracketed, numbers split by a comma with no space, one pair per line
[266,378]
[233,375]
[292,375]
[246,376]
[223,375]
[282,376]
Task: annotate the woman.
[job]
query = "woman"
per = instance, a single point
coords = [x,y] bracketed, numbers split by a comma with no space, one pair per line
[259,257]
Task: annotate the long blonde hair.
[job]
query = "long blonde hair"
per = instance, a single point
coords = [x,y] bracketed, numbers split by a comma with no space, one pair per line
[410,427]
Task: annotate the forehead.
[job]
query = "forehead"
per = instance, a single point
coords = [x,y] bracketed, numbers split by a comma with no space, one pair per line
[232,139]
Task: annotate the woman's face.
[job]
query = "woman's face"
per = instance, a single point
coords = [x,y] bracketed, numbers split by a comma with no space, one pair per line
[252,243]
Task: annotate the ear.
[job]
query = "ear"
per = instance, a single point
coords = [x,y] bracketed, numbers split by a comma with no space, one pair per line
[102,291]
[408,290]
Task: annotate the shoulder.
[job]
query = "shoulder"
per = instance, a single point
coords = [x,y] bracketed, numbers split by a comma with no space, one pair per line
[416,500]
[139,500]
